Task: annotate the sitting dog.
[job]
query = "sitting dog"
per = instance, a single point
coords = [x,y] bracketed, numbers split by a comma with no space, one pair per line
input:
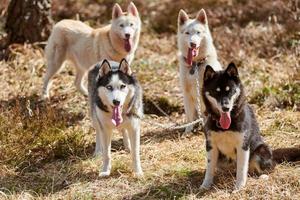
[231,129]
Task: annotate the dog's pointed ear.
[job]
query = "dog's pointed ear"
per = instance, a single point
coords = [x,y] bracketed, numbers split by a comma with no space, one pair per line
[209,73]
[124,67]
[232,70]
[182,17]
[116,11]
[131,9]
[201,16]
[104,68]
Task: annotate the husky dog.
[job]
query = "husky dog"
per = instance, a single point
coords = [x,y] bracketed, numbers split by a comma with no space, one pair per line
[84,46]
[231,129]
[195,45]
[115,98]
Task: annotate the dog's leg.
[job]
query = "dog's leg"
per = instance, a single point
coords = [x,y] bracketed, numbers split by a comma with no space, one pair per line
[98,149]
[55,57]
[105,139]
[134,136]
[190,109]
[79,83]
[97,127]
[126,140]
[242,167]
[212,155]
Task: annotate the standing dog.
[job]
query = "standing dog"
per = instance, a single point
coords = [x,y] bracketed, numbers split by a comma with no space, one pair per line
[84,46]
[231,129]
[115,98]
[195,45]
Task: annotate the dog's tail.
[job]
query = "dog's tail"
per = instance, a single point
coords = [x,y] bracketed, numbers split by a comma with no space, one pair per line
[263,159]
[291,154]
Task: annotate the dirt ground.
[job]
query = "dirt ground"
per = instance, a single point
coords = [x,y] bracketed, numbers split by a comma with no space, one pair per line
[46,148]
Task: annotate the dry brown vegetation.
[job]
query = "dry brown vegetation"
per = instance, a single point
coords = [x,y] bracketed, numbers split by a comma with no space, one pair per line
[46,147]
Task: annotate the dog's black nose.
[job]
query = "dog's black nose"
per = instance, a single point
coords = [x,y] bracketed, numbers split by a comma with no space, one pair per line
[193,45]
[225,101]
[225,109]
[116,102]
[127,35]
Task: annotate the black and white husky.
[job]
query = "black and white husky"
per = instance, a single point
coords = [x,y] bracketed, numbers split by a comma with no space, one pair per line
[231,129]
[115,98]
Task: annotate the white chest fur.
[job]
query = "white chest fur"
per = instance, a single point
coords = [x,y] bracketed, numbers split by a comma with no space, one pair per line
[227,142]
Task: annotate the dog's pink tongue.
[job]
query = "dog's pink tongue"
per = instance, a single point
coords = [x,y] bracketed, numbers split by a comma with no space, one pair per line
[192,52]
[127,45]
[117,116]
[189,58]
[225,120]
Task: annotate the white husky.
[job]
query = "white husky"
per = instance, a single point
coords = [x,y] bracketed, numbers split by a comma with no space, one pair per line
[196,49]
[84,46]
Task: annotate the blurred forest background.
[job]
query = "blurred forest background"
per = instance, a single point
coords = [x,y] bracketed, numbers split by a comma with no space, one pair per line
[46,147]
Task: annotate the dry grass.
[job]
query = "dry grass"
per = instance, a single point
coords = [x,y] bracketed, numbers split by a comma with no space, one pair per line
[46,147]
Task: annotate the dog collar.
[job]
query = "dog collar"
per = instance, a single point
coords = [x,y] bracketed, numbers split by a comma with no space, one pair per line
[196,64]
[200,61]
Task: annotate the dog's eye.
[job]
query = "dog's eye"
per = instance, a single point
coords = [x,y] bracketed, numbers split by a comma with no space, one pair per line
[121,25]
[187,33]
[198,32]
[109,87]
[123,86]
[218,89]
[131,24]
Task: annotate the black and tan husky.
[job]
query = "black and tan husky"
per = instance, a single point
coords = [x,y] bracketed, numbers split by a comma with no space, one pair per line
[231,129]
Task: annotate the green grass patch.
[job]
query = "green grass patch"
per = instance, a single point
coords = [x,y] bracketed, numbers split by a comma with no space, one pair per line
[286,95]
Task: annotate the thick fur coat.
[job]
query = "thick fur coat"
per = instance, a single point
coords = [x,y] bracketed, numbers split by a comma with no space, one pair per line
[84,46]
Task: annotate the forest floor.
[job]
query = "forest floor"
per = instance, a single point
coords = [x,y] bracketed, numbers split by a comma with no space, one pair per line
[46,148]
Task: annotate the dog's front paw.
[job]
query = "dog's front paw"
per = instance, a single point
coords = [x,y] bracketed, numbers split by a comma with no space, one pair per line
[45,97]
[206,185]
[138,174]
[264,177]
[238,187]
[104,174]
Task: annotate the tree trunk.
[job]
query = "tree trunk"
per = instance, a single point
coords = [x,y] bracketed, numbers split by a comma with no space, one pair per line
[28,21]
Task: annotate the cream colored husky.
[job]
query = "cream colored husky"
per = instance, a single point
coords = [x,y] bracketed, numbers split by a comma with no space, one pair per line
[84,46]
[196,49]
